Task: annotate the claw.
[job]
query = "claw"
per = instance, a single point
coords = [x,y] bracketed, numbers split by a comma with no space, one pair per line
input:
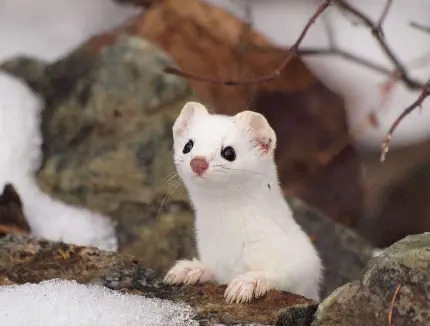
[246,287]
[188,272]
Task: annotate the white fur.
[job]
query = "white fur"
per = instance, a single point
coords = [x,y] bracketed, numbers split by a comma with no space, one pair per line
[246,235]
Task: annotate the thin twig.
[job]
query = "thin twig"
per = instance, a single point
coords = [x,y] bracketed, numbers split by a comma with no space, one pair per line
[393,300]
[382,18]
[381,41]
[425,29]
[243,44]
[421,98]
[310,51]
[292,52]
[353,58]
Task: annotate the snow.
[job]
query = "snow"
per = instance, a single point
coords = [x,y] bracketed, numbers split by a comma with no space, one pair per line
[20,140]
[378,251]
[47,29]
[61,303]
[282,21]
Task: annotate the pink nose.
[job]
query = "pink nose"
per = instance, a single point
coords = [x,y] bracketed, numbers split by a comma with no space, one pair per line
[199,165]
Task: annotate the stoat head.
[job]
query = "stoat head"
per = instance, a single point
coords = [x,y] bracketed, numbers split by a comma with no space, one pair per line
[214,151]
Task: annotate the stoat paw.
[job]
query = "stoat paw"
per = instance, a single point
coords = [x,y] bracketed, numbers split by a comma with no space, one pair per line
[246,287]
[188,272]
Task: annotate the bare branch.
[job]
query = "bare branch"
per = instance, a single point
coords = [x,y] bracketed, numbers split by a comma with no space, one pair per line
[381,41]
[382,18]
[353,58]
[332,43]
[292,52]
[142,3]
[309,51]
[423,28]
[421,98]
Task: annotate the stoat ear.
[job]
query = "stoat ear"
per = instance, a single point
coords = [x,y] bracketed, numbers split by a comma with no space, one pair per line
[262,134]
[190,111]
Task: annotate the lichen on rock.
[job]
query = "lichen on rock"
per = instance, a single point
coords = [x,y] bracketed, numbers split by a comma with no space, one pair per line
[405,265]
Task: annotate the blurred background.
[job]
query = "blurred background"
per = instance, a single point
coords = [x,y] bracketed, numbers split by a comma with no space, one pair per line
[85,98]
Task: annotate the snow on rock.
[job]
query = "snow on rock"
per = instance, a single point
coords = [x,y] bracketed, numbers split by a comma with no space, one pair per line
[378,251]
[60,302]
[20,140]
[47,29]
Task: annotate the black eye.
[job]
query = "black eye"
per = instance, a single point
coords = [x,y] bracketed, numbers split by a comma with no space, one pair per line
[228,153]
[188,147]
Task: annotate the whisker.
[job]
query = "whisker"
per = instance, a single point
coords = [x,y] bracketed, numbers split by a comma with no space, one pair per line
[171,177]
[171,190]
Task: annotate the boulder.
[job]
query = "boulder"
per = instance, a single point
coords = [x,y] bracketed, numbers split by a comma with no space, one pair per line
[395,189]
[394,286]
[25,259]
[108,143]
[343,252]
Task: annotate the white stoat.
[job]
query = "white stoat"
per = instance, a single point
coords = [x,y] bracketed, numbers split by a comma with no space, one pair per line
[246,234]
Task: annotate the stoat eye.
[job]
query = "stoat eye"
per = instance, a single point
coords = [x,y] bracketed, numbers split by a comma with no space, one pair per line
[188,147]
[228,153]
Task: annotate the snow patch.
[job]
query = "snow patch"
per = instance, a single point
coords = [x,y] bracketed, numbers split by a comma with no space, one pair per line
[378,251]
[47,29]
[20,141]
[61,302]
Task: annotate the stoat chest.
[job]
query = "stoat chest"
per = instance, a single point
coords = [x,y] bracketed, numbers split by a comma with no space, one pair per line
[230,234]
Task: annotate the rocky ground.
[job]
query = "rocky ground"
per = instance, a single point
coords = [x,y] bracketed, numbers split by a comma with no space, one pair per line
[394,286]
[107,146]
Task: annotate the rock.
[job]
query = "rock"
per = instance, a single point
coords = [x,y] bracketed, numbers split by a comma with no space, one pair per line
[157,237]
[108,141]
[31,70]
[316,159]
[343,252]
[405,264]
[25,259]
[300,315]
[395,189]
[12,219]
